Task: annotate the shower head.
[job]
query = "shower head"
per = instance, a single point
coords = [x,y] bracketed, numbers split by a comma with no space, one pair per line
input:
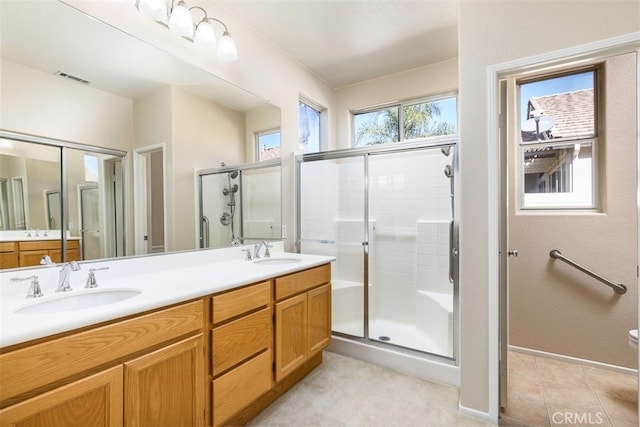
[448,171]
[233,174]
[234,188]
[446,151]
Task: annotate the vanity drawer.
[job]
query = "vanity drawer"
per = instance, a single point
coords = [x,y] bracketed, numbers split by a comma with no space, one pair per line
[241,386]
[240,339]
[237,302]
[299,282]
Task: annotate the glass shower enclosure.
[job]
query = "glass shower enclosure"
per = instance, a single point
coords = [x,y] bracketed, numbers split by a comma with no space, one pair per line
[240,203]
[387,215]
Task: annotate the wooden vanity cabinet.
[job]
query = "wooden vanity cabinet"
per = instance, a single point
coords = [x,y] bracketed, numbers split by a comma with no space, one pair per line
[9,255]
[166,387]
[302,317]
[242,342]
[31,252]
[141,371]
[92,401]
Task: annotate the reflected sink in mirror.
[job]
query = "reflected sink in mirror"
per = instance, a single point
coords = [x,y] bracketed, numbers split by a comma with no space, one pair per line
[276,261]
[78,301]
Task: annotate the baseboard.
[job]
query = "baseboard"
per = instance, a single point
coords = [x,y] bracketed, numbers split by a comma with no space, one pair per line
[574,360]
[474,413]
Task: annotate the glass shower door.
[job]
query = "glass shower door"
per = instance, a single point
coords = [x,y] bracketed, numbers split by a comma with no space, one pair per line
[331,212]
[410,209]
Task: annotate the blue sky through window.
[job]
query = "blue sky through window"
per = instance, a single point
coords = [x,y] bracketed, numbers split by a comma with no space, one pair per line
[553,86]
[269,140]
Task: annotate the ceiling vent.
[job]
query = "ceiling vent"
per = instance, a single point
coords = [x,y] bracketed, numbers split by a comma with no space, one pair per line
[71,77]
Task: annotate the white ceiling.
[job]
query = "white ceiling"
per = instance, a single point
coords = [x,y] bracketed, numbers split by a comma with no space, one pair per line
[350,41]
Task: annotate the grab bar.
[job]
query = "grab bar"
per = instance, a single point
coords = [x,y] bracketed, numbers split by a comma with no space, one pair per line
[618,288]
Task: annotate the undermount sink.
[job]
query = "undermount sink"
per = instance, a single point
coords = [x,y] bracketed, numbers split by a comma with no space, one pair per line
[276,261]
[78,301]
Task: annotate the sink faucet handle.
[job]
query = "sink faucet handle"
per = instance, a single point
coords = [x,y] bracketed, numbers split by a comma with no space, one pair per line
[248,255]
[46,260]
[267,254]
[92,282]
[34,288]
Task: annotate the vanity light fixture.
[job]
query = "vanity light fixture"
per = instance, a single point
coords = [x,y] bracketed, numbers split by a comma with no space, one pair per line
[180,20]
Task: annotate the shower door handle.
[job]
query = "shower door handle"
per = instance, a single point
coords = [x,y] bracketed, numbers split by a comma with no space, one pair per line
[453,252]
[205,232]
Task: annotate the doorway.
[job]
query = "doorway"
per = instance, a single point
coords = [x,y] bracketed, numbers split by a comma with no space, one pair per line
[149,203]
[570,195]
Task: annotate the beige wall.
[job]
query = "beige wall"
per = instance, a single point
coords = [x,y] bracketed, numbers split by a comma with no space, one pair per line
[430,80]
[43,104]
[552,307]
[490,33]
[205,134]
[264,119]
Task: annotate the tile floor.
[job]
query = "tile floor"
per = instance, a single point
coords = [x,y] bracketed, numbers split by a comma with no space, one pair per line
[548,392]
[348,392]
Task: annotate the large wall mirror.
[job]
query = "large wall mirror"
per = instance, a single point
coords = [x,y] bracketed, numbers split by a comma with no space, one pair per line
[65,202]
[66,76]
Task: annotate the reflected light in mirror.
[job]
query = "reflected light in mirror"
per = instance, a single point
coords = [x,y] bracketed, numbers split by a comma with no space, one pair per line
[154,9]
[180,21]
[227,48]
[205,36]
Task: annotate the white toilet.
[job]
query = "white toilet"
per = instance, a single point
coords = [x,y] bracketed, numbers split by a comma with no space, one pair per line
[633,338]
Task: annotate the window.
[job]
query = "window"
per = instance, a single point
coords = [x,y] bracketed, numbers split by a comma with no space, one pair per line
[309,127]
[90,168]
[268,144]
[558,141]
[405,122]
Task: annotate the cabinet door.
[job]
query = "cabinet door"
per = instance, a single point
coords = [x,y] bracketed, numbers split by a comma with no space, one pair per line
[9,255]
[30,258]
[91,401]
[291,335]
[319,308]
[166,387]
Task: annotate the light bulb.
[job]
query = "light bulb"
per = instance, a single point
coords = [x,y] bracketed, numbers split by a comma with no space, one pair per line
[227,48]
[181,21]
[205,36]
[155,9]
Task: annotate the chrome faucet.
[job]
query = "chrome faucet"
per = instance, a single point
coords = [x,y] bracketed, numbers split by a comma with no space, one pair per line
[65,272]
[34,288]
[256,250]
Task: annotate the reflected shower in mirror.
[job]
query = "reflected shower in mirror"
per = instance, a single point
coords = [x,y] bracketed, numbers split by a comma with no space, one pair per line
[40,216]
[240,204]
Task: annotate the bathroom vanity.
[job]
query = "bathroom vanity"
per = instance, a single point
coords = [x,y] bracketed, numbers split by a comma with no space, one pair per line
[167,356]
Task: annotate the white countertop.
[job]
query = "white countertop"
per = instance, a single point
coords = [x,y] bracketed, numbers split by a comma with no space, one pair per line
[162,279]
[29,235]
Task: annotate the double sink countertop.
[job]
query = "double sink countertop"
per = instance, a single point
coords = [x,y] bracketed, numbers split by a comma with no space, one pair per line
[147,283]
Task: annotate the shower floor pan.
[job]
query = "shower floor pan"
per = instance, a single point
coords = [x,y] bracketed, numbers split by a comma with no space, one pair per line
[396,333]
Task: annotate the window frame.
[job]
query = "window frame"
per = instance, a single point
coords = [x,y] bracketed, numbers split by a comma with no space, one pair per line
[555,202]
[321,119]
[265,132]
[400,105]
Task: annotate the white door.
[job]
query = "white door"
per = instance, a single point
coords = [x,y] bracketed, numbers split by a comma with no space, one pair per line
[572,189]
